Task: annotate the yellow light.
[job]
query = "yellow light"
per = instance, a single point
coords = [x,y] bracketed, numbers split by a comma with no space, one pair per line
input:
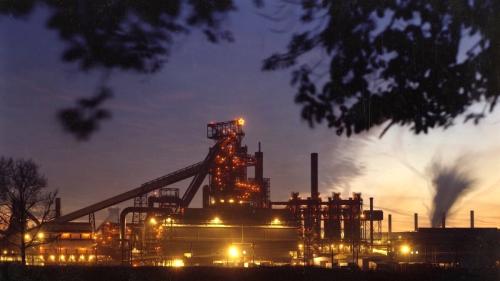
[222,200]
[405,249]
[27,236]
[241,121]
[212,201]
[62,258]
[40,235]
[81,258]
[4,252]
[177,263]
[379,251]
[233,251]
[72,258]
[216,220]
[52,258]
[231,201]
[152,221]
[188,255]
[301,246]
[168,220]
[276,221]
[91,257]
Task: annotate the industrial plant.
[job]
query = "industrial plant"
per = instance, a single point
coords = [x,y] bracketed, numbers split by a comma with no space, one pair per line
[239,225]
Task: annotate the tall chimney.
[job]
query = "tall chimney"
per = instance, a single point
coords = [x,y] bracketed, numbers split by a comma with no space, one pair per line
[443,221]
[389,231]
[58,207]
[371,221]
[314,176]
[471,218]
[415,220]
[259,176]
[259,166]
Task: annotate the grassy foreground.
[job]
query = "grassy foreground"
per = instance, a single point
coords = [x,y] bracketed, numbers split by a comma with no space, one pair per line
[12,272]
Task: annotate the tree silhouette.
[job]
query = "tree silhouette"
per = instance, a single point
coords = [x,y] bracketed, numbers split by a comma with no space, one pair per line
[127,35]
[394,62]
[24,204]
[382,62]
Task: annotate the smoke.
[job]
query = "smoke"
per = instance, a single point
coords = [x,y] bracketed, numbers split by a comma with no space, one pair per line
[344,170]
[450,183]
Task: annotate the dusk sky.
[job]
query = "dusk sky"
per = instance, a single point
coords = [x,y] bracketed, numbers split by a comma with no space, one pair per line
[159,126]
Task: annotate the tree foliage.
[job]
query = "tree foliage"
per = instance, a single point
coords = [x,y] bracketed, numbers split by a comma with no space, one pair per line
[394,62]
[24,203]
[382,62]
[126,35]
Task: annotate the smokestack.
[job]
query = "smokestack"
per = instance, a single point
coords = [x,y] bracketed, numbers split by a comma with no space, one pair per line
[259,177]
[371,221]
[259,166]
[415,220]
[58,207]
[314,175]
[389,231]
[471,218]
[443,220]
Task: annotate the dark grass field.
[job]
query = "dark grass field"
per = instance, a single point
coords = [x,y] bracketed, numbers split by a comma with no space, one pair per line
[107,273]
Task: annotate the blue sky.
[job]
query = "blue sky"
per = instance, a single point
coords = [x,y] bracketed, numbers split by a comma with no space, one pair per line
[159,121]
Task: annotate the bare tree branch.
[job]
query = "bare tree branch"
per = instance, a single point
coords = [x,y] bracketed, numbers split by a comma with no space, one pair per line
[25,207]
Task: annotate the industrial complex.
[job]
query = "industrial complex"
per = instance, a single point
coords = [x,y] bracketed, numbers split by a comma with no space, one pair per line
[239,225]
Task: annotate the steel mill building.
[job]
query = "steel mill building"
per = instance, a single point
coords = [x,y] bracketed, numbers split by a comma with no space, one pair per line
[239,225]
